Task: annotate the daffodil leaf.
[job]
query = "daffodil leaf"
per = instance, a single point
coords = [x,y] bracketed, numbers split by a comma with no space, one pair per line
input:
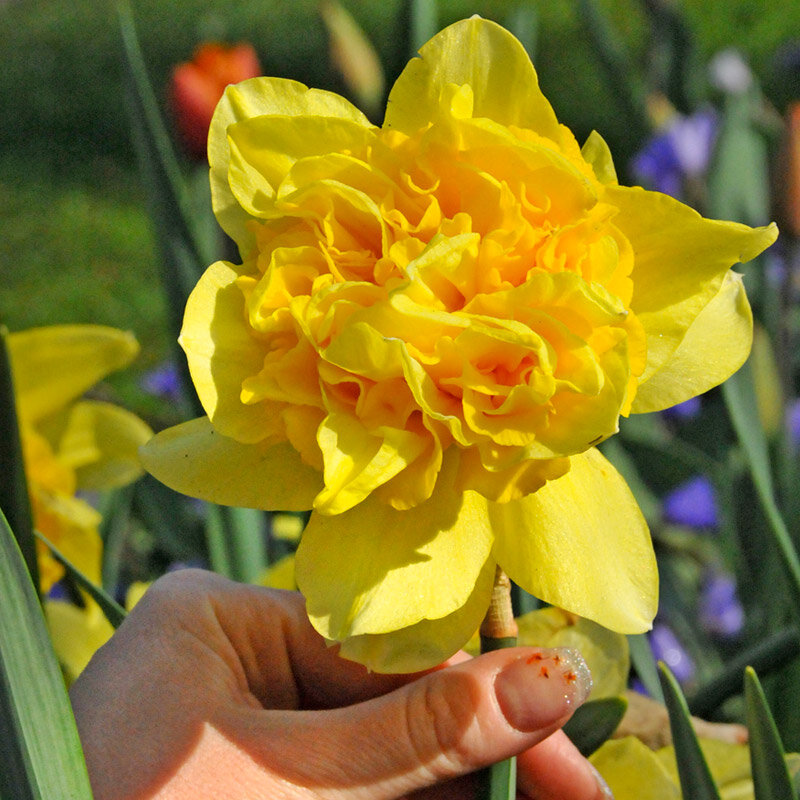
[499,781]
[42,755]
[695,776]
[768,656]
[14,499]
[593,722]
[183,247]
[112,610]
[768,762]
[424,23]
[742,404]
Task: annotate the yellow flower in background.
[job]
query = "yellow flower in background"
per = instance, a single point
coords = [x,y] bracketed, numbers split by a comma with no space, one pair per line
[70,444]
[434,323]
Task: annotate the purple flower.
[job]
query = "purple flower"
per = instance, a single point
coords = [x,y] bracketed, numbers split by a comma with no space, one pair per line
[692,503]
[688,409]
[682,149]
[793,423]
[667,648]
[163,381]
[721,612]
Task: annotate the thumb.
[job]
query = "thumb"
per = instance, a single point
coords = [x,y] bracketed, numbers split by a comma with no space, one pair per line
[445,724]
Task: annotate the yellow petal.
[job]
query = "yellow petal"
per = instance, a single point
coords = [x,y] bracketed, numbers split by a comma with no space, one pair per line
[375,570]
[55,364]
[100,441]
[633,771]
[680,261]
[357,461]
[77,634]
[194,459]
[253,98]
[222,353]
[485,57]
[581,543]
[264,150]
[716,344]
[427,643]
[597,153]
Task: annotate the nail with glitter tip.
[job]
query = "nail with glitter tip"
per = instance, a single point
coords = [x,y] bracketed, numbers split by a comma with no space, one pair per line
[542,687]
[605,789]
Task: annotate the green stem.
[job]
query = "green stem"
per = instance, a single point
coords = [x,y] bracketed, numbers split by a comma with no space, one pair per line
[499,630]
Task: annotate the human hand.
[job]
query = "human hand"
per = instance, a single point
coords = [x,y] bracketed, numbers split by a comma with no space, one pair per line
[212,689]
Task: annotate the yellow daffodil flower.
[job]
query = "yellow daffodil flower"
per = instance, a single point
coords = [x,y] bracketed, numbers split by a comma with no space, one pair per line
[434,323]
[70,444]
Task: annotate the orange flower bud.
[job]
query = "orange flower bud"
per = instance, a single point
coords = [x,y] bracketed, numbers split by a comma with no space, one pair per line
[788,173]
[197,86]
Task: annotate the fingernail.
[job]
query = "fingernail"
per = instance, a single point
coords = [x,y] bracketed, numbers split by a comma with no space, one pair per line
[537,690]
[605,789]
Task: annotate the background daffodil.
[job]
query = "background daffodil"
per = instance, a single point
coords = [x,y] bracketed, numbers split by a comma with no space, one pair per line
[433,324]
[68,443]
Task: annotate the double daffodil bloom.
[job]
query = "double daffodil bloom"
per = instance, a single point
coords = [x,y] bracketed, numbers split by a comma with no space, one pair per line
[70,444]
[434,323]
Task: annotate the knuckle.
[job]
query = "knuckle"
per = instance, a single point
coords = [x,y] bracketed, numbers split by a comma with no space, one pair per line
[440,720]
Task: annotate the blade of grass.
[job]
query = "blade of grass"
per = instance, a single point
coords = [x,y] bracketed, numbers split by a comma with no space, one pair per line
[42,755]
[693,771]
[111,609]
[14,500]
[767,759]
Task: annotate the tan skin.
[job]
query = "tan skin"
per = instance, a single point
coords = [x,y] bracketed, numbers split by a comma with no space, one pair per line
[212,689]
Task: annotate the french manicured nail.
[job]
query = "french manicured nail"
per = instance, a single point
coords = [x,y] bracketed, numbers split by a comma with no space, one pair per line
[536,690]
[605,789]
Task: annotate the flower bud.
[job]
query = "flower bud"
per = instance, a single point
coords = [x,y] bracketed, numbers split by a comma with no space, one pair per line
[197,86]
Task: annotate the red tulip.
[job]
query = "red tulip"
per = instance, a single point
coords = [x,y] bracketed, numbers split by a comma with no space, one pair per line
[197,86]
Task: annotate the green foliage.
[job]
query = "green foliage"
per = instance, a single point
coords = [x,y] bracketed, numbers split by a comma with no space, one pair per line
[42,756]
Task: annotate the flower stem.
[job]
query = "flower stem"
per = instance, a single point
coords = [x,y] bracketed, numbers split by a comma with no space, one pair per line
[499,630]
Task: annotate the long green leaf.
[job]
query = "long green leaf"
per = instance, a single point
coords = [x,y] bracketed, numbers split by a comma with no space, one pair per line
[14,500]
[767,759]
[740,399]
[423,23]
[183,249]
[768,656]
[111,609]
[593,723]
[645,665]
[693,771]
[42,755]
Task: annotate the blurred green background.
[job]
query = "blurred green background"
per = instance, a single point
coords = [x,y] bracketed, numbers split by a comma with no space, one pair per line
[75,241]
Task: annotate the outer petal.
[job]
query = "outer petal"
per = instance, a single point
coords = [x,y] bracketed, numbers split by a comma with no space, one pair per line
[222,353]
[375,570]
[100,441]
[263,151]
[581,543]
[715,346]
[194,459]
[253,98]
[55,364]
[491,61]
[680,260]
[427,643]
